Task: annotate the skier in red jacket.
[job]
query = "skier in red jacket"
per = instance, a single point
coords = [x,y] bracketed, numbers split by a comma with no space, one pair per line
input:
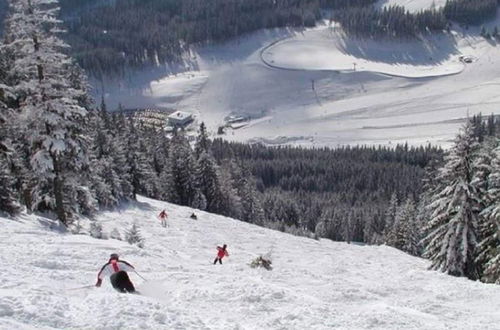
[163,218]
[221,253]
[117,269]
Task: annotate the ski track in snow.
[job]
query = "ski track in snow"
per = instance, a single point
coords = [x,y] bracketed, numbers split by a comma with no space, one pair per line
[314,284]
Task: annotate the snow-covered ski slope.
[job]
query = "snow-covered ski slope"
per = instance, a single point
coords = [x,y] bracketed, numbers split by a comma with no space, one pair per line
[314,284]
[317,87]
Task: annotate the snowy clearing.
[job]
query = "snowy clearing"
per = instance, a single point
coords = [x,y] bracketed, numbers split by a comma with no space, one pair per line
[314,284]
[324,49]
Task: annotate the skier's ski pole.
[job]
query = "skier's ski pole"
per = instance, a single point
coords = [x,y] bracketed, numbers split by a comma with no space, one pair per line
[140,276]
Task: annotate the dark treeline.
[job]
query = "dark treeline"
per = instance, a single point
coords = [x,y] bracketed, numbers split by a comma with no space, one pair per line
[470,11]
[396,21]
[108,37]
[3,12]
[340,4]
[348,187]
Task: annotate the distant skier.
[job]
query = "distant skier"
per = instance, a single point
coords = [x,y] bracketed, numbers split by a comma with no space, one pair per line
[163,218]
[221,253]
[193,216]
[117,271]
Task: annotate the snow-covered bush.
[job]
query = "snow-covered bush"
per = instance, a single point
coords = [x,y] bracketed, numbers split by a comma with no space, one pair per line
[76,227]
[133,236]
[96,230]
[115,234]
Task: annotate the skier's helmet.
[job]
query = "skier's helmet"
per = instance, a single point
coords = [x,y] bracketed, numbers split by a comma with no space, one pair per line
[113,256]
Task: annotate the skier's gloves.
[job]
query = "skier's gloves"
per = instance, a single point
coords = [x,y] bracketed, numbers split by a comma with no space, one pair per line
[99,282]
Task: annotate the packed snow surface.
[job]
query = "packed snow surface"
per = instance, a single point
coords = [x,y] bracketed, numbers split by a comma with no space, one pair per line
[314,284]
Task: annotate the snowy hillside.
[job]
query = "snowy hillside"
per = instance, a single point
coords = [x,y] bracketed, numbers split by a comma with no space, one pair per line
[316,87]
[314,284]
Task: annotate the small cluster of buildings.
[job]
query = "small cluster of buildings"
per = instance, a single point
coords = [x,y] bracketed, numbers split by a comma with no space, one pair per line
[180,119]
[170,120]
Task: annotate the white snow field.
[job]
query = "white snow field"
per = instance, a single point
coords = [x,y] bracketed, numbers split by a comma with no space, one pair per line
[314,284]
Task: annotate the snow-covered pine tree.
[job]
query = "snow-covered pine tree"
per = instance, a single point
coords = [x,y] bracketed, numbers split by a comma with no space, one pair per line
[452,239]
[133,236]
[111,180]
[405,233]
[231,202]
[166,184]
[330,225]
[482,167]
[50,104]
[374,227]
[199,201]
[390,218]
[488,256]
[207,181]
[121,185]
[141,173]
[202,142]
[8,196]
[182,170]
[157,146]
[251,207]
[100,159]
[358,226]
[347,227]
[321,229]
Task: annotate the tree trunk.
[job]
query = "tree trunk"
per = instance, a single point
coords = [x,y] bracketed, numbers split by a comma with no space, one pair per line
[58,191]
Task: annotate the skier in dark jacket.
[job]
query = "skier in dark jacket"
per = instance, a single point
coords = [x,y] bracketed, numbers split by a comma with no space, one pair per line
[117,269]
[221,253]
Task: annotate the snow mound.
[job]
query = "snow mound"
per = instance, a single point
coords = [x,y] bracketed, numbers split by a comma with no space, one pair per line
[313,284]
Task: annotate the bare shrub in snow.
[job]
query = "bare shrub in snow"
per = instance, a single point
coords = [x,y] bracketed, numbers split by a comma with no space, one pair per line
[261,262]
